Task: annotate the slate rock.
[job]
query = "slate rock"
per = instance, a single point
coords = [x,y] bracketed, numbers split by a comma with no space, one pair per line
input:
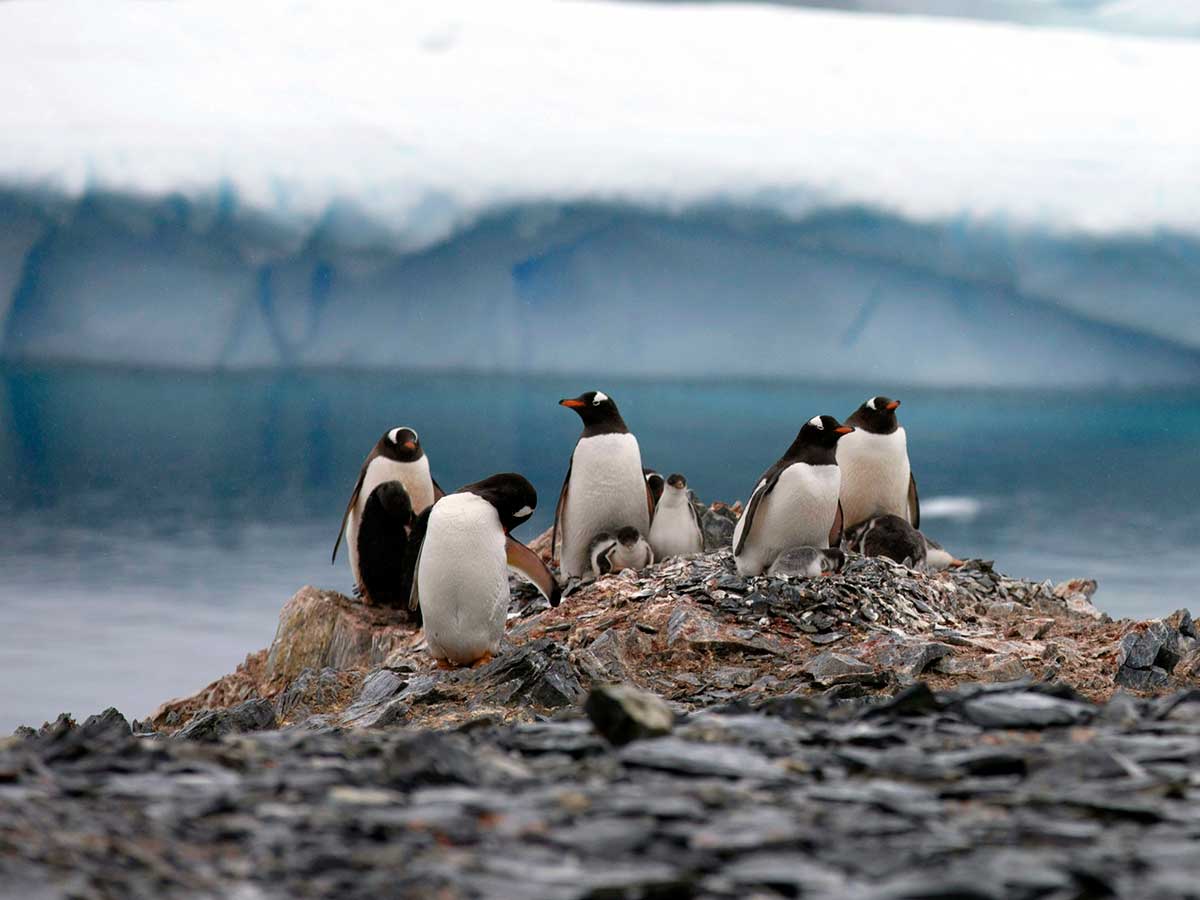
[624,713]
[539,673]
[252,715]
[831,668]
[1149,679]
[1025,709]
[688,758]
[718,524]
[1139,649]
[309,688]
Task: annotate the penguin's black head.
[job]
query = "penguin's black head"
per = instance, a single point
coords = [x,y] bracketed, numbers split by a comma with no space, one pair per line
[676,480]
[598,411]
[834,560]
[822,431]
[629,535]
[401,444]
[877,416]
[395,501]
[511,494]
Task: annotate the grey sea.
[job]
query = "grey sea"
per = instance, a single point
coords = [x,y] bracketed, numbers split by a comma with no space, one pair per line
[154,523]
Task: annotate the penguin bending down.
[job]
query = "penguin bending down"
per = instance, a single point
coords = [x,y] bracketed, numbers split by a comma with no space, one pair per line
[808,562]
[937,558]
[397,456]
[795,503]
[655,483]
[626,550]
[676,530]
[889,536]
[382,546]
[464,551]
[605,489]
[876,477]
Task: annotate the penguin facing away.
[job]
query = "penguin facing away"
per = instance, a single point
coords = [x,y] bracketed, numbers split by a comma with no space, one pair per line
[675,529]
[889,536]
[605,489]
[795,503]
[464,552]
[382,546]
[627,549]
[807,562]
[876,476]
[396,456]
[656,483]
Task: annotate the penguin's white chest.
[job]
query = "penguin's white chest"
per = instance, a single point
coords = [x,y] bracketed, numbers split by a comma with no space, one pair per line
[462,579]
[875,475]
[607,492]
[799,512]
[416,480]
[673,531]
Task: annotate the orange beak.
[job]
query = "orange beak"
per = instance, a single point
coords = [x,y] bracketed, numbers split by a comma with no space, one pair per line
[573,404]
[409,445]
[843,429]
[892,405]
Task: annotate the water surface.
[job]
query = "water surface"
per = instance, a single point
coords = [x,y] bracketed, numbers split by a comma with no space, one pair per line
[155,522]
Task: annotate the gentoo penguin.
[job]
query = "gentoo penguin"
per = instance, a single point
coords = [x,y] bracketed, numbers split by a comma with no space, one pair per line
[889,536]
[675,530]
[627,549]
[795,503]
[462,561]
[397,456]
[937,557]
[605,489]
[807,562]
[876,478]
[656,483]
[382,544]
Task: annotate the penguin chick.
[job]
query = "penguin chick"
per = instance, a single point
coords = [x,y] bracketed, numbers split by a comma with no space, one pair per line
[876,476]
[627,549]
[795,503]
[465,551]
[605,488]
[807,562]
[675,529]
[396,456]
[937,559]
[382,549]
[892,537]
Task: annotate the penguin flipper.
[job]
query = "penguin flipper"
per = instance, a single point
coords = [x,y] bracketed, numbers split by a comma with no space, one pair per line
[765,486]
[412,562]
[349,506]
[651,505]
[558,512]
[835,533]
[530,565]
[914,502]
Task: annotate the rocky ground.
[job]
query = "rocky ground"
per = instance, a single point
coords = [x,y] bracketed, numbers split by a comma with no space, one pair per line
[877,733]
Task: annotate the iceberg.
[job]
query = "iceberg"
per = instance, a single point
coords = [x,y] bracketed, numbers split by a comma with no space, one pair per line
[595,186]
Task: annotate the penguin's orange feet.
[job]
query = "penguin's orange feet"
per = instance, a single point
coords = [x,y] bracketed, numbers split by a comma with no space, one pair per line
[482,661]
[445,664]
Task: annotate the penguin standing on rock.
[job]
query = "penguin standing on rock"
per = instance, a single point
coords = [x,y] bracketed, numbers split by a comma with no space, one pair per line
[382,546]
[676,529]
[464,551]
[605,489]
[876,477]
[397,456]
[627,549]
[795,503]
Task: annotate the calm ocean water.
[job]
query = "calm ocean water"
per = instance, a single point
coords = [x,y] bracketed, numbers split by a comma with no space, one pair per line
[154,523]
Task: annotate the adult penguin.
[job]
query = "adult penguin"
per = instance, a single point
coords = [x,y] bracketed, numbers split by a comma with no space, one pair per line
[795,503]
[463,554]
[605,489]
[876,477]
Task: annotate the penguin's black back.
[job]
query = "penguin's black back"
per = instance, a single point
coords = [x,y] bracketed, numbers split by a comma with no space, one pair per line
[384,561]
[892,537]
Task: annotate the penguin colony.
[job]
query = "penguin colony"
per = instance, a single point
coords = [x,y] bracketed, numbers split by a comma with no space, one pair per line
[839,486]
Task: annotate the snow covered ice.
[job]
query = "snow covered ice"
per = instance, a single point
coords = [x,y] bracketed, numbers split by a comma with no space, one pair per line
[767,191]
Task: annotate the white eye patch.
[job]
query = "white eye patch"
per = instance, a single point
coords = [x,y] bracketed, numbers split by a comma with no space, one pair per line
[394,435]
[871,403]
[816,422]
[599,398]
[523,511]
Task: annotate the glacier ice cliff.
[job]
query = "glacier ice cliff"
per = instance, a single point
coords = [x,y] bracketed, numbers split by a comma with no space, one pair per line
[594,186]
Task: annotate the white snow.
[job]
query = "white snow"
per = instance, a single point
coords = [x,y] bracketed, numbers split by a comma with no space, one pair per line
[509,185]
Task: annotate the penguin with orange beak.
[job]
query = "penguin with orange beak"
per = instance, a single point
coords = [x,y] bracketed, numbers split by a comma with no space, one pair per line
[877,479]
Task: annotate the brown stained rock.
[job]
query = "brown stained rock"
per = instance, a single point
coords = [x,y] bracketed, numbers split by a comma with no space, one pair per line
[324,629]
